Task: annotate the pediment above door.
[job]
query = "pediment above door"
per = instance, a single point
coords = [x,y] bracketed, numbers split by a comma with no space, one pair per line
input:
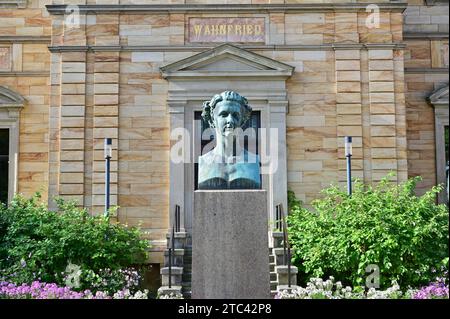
[227,60]
[10,103]
[439,97]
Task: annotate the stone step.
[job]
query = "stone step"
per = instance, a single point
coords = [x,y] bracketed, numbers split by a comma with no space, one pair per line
[187,278]
[277,239]
[273,276]
[186,285]
[177,257]
[272,267]
[186,289]
[176,274]
[273,293]
[187,294]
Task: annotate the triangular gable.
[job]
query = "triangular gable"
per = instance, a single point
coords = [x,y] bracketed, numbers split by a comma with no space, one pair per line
[10,98]
[439,96]
[224,61]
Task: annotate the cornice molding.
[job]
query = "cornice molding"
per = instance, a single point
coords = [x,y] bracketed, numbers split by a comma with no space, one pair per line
[227,8]
[10,100]
[426,70]
[439,97]
[199,48]
[436,2]
[22,39]
[426,35]
[13,4]
[24,73]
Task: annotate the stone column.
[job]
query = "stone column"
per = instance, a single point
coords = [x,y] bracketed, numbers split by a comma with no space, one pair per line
[104,30]
[72,125]
[177,181]
[278,179]
[71,32]
[55,112]
[105,125]
[349,109]
[400,115]
[383,142]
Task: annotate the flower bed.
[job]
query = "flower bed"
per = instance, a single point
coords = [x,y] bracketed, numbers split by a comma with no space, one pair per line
[40,290]
[317,288]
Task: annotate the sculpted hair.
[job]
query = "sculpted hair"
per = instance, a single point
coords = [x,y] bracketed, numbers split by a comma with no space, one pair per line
[208,106]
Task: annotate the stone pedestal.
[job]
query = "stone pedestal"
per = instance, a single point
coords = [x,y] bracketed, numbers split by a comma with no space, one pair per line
[283,275]
[230,254]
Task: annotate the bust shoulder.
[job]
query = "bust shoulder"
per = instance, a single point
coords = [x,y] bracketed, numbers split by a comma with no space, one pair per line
[208,158]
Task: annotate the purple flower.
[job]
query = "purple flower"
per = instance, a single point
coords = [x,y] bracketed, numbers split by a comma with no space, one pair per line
[434,290]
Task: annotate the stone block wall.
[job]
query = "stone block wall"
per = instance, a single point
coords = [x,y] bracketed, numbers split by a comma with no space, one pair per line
[420,17]
[25,33]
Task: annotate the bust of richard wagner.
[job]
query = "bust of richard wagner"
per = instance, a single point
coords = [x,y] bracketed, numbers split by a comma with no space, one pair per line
[228,166]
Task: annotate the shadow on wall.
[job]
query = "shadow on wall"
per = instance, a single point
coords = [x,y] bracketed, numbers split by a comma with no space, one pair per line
[151,279]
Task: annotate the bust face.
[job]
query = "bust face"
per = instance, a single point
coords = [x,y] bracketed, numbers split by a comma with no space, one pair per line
[227,117]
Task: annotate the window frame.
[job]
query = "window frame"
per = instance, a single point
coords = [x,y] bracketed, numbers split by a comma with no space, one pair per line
[439,100]
[10,105]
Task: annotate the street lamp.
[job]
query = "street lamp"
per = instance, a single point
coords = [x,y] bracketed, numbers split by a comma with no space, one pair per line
[348,155]
[108,155]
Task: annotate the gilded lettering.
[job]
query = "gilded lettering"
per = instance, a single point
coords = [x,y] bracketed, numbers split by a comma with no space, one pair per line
[215,29]
[223,29]
[198,29]
[229,28]
[238,29]
[258,29]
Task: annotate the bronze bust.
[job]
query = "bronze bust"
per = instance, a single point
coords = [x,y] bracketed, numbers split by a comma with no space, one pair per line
[228,166]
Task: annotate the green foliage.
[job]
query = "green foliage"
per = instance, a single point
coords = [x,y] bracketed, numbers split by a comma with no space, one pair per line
[406,236]
[36,243]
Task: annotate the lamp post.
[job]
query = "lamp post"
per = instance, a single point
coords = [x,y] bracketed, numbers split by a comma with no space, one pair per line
[108,155]
[348,155]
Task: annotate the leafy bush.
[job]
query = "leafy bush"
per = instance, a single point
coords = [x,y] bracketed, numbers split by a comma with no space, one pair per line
[387,225]
[38,244]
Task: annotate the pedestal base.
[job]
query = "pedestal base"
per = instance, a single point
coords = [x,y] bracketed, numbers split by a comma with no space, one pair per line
[230,254]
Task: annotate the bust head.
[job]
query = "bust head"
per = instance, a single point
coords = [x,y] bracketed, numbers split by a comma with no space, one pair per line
[226,111]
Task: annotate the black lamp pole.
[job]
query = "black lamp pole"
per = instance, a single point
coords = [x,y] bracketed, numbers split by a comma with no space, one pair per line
[108,155]
[348,155]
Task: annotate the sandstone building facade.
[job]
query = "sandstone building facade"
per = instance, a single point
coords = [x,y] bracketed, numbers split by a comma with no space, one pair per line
[73,72]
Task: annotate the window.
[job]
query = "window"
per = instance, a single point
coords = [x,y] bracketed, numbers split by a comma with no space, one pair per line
[446,130]
[439,99]
[10,105]
[4,164]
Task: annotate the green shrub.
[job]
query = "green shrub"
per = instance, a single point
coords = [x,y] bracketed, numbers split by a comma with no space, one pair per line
[38,244]
[387,225]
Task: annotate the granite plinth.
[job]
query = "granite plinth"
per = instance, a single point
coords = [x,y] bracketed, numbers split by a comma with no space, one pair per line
[230,255]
